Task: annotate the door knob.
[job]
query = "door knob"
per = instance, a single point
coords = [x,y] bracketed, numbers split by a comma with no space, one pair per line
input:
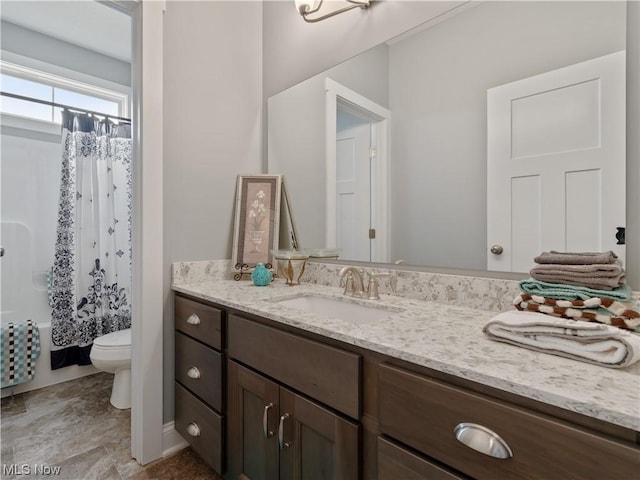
[496,249]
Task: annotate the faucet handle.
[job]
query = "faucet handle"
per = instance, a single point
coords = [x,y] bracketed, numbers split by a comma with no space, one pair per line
[372,287]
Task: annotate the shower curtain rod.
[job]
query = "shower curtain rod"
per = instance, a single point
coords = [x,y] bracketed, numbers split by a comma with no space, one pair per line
[60,105]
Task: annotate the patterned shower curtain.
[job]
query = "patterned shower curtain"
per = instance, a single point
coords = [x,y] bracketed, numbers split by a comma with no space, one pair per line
[91,279]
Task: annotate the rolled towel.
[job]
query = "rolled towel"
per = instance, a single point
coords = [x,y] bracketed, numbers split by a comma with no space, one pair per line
[597,309]
[604,277]
[584,341]
[572,292]
[577,258]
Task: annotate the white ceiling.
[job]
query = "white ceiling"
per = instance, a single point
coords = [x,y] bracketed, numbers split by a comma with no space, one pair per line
[86,23]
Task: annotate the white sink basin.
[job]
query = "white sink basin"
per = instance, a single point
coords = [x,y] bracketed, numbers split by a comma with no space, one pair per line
[342,309]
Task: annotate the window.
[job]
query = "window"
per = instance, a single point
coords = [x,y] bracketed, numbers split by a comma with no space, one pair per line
[51,88]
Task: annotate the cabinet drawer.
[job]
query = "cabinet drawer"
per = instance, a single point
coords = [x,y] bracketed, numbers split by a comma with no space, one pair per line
[208,443]
[199,320]
[396,463]
[193,359]
[423,414]
[329,375]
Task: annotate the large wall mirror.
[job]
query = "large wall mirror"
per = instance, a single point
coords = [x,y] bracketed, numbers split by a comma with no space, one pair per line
[419,105]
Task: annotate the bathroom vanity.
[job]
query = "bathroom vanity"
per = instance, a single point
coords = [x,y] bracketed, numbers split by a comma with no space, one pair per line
[419,394]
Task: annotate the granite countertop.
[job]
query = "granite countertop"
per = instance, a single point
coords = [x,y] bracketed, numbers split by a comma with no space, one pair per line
[449,339]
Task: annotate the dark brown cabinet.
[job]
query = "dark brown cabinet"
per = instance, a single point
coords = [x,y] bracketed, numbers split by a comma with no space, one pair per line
[253,418]
[486,438]
[265,401]
[289,406]
[199,386]
[277,433]
[395,462]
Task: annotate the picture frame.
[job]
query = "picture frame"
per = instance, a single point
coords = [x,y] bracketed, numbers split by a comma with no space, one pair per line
[257,220]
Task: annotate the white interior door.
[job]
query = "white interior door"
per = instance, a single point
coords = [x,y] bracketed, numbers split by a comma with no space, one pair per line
[556,163]
[353,191]
[341,100]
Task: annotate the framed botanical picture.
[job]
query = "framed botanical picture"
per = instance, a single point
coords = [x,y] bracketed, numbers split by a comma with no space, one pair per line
[257,220]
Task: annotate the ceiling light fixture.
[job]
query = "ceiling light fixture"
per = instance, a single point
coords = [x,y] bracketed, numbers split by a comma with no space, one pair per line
[307,8]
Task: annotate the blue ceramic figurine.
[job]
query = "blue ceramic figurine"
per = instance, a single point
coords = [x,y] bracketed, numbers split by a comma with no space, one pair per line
[261,275]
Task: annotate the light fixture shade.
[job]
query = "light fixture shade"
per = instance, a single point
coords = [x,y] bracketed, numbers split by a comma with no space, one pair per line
[307,6]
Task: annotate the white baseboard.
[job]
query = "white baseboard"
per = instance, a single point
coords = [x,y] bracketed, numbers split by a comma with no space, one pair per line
[172,441]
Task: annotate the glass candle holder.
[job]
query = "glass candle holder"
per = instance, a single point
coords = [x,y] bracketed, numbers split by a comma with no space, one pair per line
[290,265]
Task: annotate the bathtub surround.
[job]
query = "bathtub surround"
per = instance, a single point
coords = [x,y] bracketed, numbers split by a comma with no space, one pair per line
[91,287]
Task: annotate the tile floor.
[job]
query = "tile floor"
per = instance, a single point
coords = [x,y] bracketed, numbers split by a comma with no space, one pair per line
[73,426]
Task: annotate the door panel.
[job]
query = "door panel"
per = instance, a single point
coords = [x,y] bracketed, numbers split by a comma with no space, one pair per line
[556,162]
[321,444]
[353,190]
[253,455]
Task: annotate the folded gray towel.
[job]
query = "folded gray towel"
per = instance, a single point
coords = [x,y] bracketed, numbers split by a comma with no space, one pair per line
[577,258]
[595,270]
[599,276]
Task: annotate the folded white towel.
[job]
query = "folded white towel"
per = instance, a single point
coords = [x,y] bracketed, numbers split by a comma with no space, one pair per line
[586,341]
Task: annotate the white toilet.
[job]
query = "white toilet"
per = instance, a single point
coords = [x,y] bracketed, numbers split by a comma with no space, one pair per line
[111,353]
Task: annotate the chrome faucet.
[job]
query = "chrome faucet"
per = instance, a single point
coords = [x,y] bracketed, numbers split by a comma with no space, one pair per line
[353,284]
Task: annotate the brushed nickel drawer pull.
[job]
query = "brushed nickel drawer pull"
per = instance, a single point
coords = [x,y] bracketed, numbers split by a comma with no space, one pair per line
[281,441]
[193,319]
[193,372]
[193,429]
[265,421]
[482,440]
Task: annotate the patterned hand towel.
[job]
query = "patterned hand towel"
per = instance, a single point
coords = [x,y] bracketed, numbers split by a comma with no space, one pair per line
[584,341]
[20,350]
[597,309]
[604,277]
[582,258]
[572,292]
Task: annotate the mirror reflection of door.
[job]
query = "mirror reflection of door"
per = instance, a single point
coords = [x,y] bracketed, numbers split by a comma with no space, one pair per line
[353,185]
[556,163]
[357,166]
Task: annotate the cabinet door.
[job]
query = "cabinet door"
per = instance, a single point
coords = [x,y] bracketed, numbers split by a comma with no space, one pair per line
[253,405]
[315,443]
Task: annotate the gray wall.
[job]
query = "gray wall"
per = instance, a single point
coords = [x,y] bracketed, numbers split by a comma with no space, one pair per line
[438,84]
[213,132]
[294,50]
[28,43]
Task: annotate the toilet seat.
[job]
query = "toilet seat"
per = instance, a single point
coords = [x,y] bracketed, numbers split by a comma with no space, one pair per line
[119,339]
[115,346]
